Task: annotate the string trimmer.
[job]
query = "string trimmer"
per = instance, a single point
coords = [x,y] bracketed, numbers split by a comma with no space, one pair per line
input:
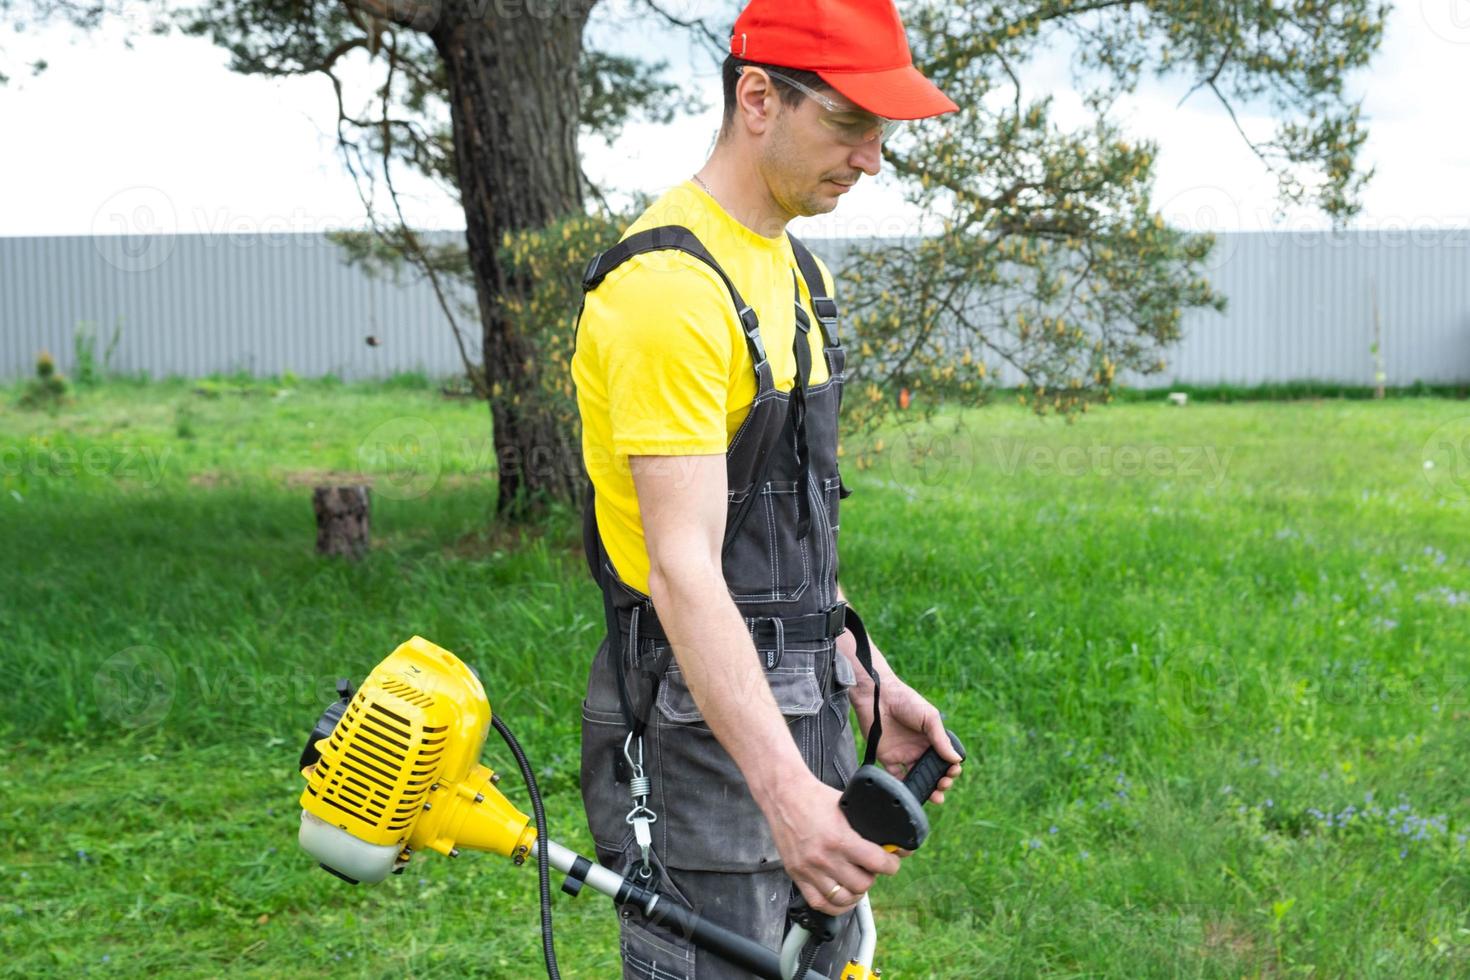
[394,768]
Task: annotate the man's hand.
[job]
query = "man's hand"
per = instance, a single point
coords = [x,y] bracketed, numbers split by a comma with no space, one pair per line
[911,726]
[819,847]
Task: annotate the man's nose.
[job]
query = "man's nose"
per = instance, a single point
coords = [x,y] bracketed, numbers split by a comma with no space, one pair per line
[868,157]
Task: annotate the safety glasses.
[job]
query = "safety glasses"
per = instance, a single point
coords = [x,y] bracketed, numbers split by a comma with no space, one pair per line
[852,125]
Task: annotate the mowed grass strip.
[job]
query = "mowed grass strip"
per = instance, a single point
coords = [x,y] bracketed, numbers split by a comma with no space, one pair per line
[1211,664]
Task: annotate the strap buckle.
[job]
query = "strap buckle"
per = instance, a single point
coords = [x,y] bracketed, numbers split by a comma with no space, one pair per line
[836,620]
[803,322]
[826,310]
[751,324]
[589,277]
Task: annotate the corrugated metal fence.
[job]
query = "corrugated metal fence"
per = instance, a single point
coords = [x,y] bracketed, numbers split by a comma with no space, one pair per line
[192,305]
[1302,307]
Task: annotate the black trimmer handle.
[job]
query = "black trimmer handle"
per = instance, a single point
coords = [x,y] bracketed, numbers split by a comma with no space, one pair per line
[890,811]
[924,776]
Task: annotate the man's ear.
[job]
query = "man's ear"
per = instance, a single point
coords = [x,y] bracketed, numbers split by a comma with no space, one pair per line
[755,99]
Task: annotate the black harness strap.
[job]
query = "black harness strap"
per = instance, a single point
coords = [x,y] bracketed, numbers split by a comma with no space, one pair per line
[822,304]
[865,657]
[674,238]
[826,309]
[802,347]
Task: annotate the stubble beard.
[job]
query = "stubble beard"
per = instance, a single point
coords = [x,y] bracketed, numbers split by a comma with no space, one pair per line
[783,162]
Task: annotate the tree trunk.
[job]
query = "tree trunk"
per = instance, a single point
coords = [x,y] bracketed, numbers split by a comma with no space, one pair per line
[513,97]
[341,520]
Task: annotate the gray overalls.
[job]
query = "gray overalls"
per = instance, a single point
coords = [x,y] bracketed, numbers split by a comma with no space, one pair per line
[711,845]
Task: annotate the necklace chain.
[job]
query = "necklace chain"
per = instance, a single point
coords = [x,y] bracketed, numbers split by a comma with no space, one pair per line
[705,187]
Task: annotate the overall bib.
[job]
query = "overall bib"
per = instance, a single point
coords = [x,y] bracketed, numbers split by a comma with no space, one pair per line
[711,845]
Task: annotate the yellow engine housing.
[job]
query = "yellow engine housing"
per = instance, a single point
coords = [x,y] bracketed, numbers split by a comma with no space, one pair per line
[401,770]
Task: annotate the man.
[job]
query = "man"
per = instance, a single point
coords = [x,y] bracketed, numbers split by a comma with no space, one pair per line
[716,733]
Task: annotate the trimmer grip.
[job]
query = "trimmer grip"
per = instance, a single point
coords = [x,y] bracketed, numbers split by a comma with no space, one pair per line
[924,776]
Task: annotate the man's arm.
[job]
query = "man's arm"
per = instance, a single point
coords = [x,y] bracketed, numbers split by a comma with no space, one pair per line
[683,501]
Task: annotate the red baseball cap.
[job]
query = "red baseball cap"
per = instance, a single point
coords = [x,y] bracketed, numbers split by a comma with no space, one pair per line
[857,46]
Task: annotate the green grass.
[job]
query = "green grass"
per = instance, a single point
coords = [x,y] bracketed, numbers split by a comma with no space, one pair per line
[1185,639]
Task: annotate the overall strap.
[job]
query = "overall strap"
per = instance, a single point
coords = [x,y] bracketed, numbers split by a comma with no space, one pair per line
[823,305]
[865,658]
[802,350]
[675,238]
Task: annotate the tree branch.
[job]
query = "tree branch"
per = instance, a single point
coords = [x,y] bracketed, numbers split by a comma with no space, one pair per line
[1214,76]
[413,250]
[420,15]
[1238,127]
[698,24]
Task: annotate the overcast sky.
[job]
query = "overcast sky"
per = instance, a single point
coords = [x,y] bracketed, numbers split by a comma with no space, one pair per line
[164,137]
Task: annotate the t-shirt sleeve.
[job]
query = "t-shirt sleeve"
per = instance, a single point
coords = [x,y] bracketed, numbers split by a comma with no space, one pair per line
[663,338]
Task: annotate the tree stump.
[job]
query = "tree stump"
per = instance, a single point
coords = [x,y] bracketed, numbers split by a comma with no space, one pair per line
[341,520]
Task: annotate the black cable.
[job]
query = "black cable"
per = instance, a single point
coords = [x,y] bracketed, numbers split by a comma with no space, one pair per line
[543,866]
[808,957]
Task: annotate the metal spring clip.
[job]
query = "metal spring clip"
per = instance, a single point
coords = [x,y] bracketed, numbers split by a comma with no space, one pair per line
[641,817]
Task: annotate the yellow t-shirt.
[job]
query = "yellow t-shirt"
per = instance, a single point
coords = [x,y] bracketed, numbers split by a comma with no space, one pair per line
[661,365]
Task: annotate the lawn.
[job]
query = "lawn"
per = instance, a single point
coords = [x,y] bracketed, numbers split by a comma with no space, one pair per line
[1212,663]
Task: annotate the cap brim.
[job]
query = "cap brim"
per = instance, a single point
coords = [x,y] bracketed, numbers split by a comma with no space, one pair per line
[899,93]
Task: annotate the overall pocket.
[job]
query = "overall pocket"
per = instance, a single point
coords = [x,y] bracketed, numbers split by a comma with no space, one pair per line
[766,563]
[708,820]
[605,797]
[832,497]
